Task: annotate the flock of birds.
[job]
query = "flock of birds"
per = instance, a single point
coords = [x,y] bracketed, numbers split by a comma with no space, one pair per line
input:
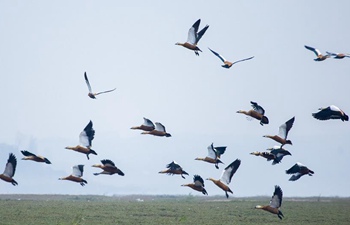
[274,154]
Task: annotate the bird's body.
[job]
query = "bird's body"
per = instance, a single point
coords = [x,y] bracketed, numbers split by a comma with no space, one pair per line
[275,203]
[76,176]
[193,37]
[257,112]
[279,153]
[33,157]
[299,170]
[198,184]
[213,156]
[330,112]
[283,133]
[108,168]
[174,168]
[226,177]
[146,126]
[319,55]
[228,64]
[85,137]
[338,55]
[267,155]
[91,94]
[10,170]
[158,131]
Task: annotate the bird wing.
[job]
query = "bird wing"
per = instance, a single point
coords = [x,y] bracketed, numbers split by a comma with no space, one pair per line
[87,82]
[107,162]
[78,170]
[284,128]
[26,153]
[201,33]
[295,168]
[10,167]
[174,166]
[211,152]
[257,108]
[147,122]
[102,92]
[220,150]
[316,51]
[276,200]
[87,135]
[160,127]
[218,55]
[192,32]
[241,60]
[198,181]
[229,171]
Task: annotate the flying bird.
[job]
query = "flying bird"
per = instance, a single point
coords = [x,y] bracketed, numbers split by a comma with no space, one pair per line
[193,37]
[85,137]
[10,170]
[174,168]
[108,168]
[146,126]
[91,94]
[226,176]
[330,112]
[283,133]
[158,131]
[257,112]
[198,184]
[76,176]
[267,155]
[338,55]
[228,64]
[298,170]
[33,157]
[279,153]
[275,203]
[317,52]
[214,154]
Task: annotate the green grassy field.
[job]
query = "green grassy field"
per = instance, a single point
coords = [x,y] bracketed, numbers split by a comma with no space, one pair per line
[45,209]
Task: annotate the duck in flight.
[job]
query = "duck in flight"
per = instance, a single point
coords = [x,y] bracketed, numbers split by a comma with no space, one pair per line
[193,37]
[91,94]
[35,158]
[298,170]
[85,138]
[146,126]
[318,53]
[174,168]
[275,203]
[228,64]
[198,184]
[214,154]
[76,176]
[108,168]
[330,112]
[257,112]
[10,170]
[338,55]
[283,133]
[158,131]
[226,177]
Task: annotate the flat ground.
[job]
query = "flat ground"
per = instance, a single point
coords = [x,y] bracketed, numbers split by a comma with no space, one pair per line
[134,209]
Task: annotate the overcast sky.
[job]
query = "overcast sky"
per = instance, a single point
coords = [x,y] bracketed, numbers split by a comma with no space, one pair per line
[47,46]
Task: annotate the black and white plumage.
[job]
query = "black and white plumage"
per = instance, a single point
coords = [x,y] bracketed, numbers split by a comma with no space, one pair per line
[298,170]
[91,94]
[259,109]
[330,112]
[275,203]
[279,153]
[283,133]
[10,170]
[318,53]
[228,64]
[87,135]
[229,171]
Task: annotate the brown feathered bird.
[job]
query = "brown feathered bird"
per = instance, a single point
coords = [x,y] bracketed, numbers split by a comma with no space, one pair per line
[174,168]
[299,170]
[275,203]
[10,170]
[35,158]
[76,176]
[198,184]
[283,133]
[108,168]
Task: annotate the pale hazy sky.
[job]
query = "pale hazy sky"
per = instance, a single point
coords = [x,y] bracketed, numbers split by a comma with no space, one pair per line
[46,46]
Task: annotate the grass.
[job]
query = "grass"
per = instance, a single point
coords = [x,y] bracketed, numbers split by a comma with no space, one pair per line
[167,210]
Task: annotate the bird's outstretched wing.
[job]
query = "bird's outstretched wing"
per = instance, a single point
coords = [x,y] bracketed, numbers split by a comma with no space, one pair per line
[218,55]
[105,91]
[87,82]
[241,60]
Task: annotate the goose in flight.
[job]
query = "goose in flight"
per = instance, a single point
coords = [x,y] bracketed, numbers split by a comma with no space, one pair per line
[193,37]
[198,184]
[299,170]
[10,170]
[214,154]
[108,168]
[257,112]
[330,112]
[146,126]
[35,158]
[267,155]
[85,137]
[318,53]
[174,168]
[76,176]
[226,176]
[228,64]
[91,94]
[338,55]
[158,131]
[283,133]
[275,203]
